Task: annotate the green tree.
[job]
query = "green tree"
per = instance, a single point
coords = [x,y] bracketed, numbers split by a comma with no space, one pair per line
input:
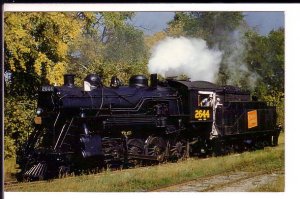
[214,27]
[178,26]
[266,58]
[110,46]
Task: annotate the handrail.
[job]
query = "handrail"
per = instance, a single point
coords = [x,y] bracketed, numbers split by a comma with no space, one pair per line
[62,130]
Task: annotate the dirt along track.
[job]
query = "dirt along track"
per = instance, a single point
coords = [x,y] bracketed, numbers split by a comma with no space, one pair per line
[229,182]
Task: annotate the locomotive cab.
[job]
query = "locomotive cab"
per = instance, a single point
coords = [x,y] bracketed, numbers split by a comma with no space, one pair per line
[203,111]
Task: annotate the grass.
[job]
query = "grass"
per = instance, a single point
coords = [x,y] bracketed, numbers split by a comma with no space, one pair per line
[150,178]
[10,169]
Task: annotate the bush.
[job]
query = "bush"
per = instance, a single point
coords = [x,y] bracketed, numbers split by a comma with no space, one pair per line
[9,147]
[18,122]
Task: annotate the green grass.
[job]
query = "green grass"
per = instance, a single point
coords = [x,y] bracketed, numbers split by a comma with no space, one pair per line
[149,178]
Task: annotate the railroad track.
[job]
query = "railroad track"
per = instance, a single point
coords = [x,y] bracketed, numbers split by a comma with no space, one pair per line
[228,182]
[14,184]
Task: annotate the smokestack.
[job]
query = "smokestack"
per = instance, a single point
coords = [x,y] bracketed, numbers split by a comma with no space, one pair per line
[154,81]
[69,80]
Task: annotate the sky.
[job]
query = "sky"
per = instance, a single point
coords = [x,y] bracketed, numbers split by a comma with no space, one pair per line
[264,22]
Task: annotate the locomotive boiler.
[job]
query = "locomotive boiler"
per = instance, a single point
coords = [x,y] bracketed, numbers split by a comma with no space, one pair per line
[81,129]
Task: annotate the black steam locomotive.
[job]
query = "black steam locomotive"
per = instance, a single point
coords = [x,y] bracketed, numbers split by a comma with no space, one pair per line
[78,129]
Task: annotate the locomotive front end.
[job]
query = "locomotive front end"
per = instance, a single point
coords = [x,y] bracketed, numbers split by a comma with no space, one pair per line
[58,135]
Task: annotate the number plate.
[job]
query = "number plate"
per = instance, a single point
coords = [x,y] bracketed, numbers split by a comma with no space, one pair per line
[202,114]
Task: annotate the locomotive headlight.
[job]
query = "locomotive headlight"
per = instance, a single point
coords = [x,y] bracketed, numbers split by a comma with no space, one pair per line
[39,111]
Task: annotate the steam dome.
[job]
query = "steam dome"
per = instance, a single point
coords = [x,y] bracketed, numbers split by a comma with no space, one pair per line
[138,80]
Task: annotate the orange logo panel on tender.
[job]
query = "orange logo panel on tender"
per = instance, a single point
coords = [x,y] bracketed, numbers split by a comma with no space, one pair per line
[252,119]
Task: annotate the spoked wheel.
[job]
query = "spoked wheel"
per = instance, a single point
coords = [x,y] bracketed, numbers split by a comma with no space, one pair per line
[135,147]
[178,150]
[156,146]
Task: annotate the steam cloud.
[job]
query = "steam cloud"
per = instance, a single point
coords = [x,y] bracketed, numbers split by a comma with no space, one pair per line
[185,56]
[236,66]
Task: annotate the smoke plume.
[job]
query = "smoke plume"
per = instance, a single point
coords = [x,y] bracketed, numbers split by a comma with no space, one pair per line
[185,56]
[236,66]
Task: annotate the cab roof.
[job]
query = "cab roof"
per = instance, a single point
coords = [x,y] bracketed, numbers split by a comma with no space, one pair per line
[207,86]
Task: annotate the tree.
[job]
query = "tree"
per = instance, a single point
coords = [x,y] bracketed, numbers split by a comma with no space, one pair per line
[36,46]
[178,26]
[151,41]
[214,27]
[114,47]
[266,58]
[35,52]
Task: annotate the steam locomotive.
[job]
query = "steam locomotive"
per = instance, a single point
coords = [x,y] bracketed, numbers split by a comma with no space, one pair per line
[79,129]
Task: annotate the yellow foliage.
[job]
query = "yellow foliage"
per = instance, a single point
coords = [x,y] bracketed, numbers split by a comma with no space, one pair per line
[153,40]
[176,30]
[53,74]
[39,42]
[62,49]
[40,62]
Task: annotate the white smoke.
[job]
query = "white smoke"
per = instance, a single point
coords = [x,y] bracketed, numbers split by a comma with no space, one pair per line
[237,67]
[185,56]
